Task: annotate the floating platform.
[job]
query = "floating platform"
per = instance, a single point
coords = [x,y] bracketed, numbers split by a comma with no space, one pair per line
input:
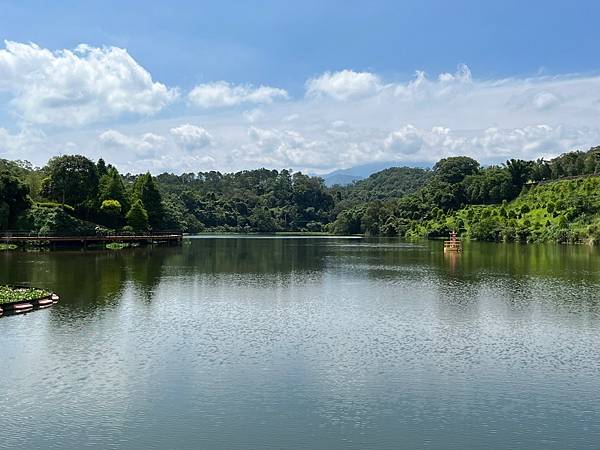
[25,306]
[452,246]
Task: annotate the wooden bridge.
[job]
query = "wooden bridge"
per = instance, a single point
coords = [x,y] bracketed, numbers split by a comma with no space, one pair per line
[58,240]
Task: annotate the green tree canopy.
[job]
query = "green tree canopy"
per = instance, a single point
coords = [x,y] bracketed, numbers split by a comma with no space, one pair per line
[137,217]
[455,168]
[111,213]
[112,187]
[145,190]
[72,179]
[14,198]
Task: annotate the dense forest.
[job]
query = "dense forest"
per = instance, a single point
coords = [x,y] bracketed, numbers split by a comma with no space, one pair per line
[526,201]
[74,195]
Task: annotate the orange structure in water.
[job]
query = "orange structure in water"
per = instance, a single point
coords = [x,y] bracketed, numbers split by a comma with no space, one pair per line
[453,245]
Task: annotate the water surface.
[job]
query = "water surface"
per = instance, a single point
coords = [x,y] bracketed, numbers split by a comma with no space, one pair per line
[304,343]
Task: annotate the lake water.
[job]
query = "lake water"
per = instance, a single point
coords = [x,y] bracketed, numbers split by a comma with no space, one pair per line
[304,343]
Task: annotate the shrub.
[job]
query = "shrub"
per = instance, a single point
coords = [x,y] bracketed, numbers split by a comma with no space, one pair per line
[52,220]
[66,208]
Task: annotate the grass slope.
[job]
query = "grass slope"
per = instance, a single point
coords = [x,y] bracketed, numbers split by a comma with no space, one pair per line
[566,211]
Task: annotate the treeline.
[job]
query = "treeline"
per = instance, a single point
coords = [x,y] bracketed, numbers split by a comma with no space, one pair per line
[74,195]
[517,200]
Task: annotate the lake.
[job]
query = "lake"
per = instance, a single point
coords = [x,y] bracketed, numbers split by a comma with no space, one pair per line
[236,342]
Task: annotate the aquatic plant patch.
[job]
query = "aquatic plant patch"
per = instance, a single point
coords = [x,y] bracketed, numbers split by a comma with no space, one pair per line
[118,245]
[10,294]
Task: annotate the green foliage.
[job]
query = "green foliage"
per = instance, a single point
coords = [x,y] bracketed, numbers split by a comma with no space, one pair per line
[564,211]
[137,217]
[517,201]
[72,179]
[262,220]
[67,208]
[10,294]
[117,245]
[111,187]
[455,168]
[111,213]
[253,200]
[390,183]
[45,220]
[14,198]
[145,190]
[520,171]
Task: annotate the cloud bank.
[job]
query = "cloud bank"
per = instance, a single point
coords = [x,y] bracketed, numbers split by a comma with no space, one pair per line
[100,102]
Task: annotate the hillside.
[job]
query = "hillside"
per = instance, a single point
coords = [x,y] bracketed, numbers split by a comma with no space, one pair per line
[562,211]
[394,182]
[524,201]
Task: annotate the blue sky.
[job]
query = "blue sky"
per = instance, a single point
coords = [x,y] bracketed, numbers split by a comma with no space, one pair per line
[345,83]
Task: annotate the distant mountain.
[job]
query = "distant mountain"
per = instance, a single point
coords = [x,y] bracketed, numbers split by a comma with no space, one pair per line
[344,177]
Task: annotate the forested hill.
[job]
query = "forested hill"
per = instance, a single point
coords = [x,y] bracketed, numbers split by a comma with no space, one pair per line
[74,195]
[389,183]
[528,201]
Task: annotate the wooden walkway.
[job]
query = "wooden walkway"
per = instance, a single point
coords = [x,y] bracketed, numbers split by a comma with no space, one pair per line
[57,240]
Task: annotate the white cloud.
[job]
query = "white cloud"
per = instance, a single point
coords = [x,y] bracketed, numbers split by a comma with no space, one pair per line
[253,115]
[21,145]
[545,100]
[75,87]
[418,120]
[191,137]
[489,145]
[145,145]
[343,85]
[282,148]
[291,117]
[221,94]
[180,149]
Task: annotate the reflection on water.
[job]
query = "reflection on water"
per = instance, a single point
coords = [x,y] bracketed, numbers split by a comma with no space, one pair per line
[261,342]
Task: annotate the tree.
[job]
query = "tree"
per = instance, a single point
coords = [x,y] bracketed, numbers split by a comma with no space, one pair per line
[262,220]
[282,188]
[370,218]
[111,187]
[111,213]
[72,179]
[14,198]
[455,168]
[137,217]
[145,190]
[519,170]
[101,168]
